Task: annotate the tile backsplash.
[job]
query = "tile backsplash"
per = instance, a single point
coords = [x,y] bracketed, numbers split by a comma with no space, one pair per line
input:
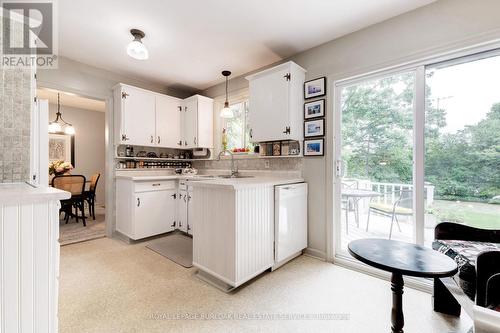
[285,163]
[15,121]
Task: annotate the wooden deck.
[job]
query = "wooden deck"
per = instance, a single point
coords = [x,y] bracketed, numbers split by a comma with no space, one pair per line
[379,228]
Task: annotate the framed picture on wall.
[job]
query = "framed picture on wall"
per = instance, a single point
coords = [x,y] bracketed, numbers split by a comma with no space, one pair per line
[314,109]
[62,148]
[314,128]
[315,88]
[314,147]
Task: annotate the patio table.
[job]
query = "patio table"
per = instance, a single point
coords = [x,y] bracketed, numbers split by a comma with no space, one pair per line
[355,195]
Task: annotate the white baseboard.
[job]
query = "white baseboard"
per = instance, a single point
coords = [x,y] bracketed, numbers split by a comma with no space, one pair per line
[314,253]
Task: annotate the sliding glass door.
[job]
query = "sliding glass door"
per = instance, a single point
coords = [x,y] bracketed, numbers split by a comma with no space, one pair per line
[417,147]
[462,147]
[375,158]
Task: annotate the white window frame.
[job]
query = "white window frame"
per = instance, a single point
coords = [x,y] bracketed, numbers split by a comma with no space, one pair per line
[470,53]
[235,97]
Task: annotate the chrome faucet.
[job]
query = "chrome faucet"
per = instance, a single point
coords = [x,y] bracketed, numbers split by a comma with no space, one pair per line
[234,170]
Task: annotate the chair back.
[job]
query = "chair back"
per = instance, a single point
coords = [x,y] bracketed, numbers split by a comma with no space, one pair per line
[405,198]
[75,184]
[93,182]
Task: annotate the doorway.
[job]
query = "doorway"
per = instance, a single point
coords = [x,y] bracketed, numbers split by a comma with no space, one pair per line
[415,147]
[78,153]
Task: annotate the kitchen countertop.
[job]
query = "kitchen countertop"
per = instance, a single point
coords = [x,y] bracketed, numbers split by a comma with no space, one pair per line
[238,183]
[11,193]
[211,181]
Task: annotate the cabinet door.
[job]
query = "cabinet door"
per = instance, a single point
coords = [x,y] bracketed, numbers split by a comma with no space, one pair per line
[168,122]
[155,213]
[205,138]
[182,217]
[190,121]
[138,116]
[269,106]
[190,212]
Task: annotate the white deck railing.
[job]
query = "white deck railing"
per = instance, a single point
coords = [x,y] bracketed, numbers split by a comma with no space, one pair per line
[390,191]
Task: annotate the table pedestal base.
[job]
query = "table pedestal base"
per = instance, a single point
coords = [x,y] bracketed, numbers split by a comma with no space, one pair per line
[397,318]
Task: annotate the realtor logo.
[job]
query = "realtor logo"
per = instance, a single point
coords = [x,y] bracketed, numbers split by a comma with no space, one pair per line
[28,34]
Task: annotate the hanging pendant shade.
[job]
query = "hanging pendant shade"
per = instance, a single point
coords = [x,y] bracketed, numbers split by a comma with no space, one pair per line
[226,112]
[59,125]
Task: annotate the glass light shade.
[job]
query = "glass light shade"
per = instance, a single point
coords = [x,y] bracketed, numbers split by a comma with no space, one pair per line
[226,112]
[69,129]
[54,127]
[137,50]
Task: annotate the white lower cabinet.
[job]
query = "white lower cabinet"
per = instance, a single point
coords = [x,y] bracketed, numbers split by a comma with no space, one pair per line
[182,217]
[145,208]
[154,212]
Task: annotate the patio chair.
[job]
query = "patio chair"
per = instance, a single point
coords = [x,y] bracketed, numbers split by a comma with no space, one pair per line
[402,206]
[346,204]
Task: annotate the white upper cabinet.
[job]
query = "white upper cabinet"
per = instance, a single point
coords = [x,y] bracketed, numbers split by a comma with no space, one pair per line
[198,122]
[168,121]
[276,103]
[135,117]
[146,118]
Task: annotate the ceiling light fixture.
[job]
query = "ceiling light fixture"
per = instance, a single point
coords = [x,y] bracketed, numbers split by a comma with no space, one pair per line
[59,125]
[136,49]
[226,112]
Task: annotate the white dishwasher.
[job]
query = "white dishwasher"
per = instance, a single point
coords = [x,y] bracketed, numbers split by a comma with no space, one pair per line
[290,222]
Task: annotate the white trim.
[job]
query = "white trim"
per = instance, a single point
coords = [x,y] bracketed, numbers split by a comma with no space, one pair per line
[363,75]
[419,156]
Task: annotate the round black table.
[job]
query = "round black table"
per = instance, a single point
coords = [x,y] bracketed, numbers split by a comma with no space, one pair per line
[400,259]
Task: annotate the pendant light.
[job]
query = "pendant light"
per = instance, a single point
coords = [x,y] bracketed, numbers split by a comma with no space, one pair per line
[136,49]
[226,112]
[59,125]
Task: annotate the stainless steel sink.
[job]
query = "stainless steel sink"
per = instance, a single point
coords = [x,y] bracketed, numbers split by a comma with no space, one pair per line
[235,176]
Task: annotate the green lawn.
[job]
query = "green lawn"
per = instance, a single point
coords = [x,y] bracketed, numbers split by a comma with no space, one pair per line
[474,214]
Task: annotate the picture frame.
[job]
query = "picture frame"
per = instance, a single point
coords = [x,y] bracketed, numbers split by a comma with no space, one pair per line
[62,148]
[315,88]
[314,109]
[314,128]
[314,147]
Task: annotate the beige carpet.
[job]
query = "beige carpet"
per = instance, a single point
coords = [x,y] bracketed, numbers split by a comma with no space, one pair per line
[75,232]
[176,247]
[109,286]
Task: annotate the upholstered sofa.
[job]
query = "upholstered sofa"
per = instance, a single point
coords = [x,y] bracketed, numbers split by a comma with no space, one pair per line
[477,253]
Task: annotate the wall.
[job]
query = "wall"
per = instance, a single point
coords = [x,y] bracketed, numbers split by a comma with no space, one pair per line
[89,143]
[275,164]
[439,27]
[94,82]
[15,120]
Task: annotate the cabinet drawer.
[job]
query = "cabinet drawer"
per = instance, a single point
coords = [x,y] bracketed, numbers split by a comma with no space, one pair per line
[158,185]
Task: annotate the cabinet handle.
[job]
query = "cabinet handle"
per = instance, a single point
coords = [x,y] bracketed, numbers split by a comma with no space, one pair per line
[138,202]
[188,227]
[124,95]
[287,130]
[152,139]
[156,184]
[124,137]
[179,143]
[159,139]
[174,195]
[195,140]
[251,132]
[185,143]
[173,224]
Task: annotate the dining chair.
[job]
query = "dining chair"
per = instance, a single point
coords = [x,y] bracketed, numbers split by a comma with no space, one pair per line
[402,206]
[90,194]
[75,184]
